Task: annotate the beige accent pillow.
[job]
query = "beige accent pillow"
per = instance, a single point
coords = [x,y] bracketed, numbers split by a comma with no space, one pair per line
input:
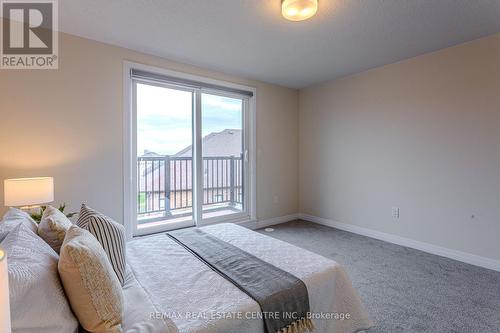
[53,227]
[93,290]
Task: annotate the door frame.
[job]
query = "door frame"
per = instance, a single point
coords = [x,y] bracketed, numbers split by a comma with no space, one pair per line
[130,151]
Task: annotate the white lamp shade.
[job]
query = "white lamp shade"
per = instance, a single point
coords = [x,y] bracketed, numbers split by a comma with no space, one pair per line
[28,191]
[4,294]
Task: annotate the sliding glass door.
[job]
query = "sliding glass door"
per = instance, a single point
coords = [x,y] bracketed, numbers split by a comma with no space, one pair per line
[191,155]
[223,149]
[164,158]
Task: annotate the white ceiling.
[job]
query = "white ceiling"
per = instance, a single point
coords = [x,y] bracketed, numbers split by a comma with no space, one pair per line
[249,38]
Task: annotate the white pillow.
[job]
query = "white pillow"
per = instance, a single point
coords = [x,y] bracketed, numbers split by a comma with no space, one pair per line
[37,300]
[53,227]
[12,218]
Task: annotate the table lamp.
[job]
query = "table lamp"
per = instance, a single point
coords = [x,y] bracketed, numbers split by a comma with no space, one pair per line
[4,294]
[28,192]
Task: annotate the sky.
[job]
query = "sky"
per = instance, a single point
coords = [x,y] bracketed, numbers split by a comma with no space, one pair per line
[164,118]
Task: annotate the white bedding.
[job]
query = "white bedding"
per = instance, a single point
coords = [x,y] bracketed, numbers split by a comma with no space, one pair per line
[169,290]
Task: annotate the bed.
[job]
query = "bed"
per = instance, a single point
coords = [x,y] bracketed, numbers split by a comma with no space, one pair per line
[168,289]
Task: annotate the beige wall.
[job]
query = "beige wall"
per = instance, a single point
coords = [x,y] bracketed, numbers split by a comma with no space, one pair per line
[68,123]
[423,135]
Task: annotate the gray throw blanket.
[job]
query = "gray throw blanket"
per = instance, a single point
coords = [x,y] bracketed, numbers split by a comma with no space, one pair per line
[282,297]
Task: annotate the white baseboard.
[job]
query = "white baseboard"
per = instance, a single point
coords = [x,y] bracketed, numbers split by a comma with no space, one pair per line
[275,220]
[425,247]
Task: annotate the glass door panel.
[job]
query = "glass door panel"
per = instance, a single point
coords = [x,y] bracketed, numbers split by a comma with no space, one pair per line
[164,155]
[223,166]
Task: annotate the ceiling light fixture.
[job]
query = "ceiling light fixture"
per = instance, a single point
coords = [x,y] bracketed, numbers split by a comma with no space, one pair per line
[298,10]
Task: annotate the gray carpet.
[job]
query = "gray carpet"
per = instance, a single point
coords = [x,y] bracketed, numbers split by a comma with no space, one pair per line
[406,290]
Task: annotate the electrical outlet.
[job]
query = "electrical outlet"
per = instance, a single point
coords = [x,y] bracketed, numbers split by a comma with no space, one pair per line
[395,212]
[276,199]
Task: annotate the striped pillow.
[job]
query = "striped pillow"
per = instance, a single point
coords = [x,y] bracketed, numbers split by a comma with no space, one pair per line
[110,234]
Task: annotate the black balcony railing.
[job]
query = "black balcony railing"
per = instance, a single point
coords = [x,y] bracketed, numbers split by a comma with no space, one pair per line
[165,183]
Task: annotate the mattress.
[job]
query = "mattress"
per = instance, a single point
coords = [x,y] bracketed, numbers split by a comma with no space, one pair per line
[169,290]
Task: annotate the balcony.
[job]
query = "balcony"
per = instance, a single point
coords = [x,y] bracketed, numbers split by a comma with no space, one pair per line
[167,193]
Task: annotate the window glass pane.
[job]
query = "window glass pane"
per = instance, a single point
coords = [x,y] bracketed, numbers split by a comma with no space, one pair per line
[164,142]
[222,153]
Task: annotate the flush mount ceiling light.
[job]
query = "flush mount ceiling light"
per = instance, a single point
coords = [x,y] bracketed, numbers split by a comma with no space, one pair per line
[298,10]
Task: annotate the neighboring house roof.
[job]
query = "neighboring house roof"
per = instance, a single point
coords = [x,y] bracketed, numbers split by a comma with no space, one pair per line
[148,153]
[225,143]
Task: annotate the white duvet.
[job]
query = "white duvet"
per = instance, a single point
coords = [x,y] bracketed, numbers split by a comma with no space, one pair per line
[170,290]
